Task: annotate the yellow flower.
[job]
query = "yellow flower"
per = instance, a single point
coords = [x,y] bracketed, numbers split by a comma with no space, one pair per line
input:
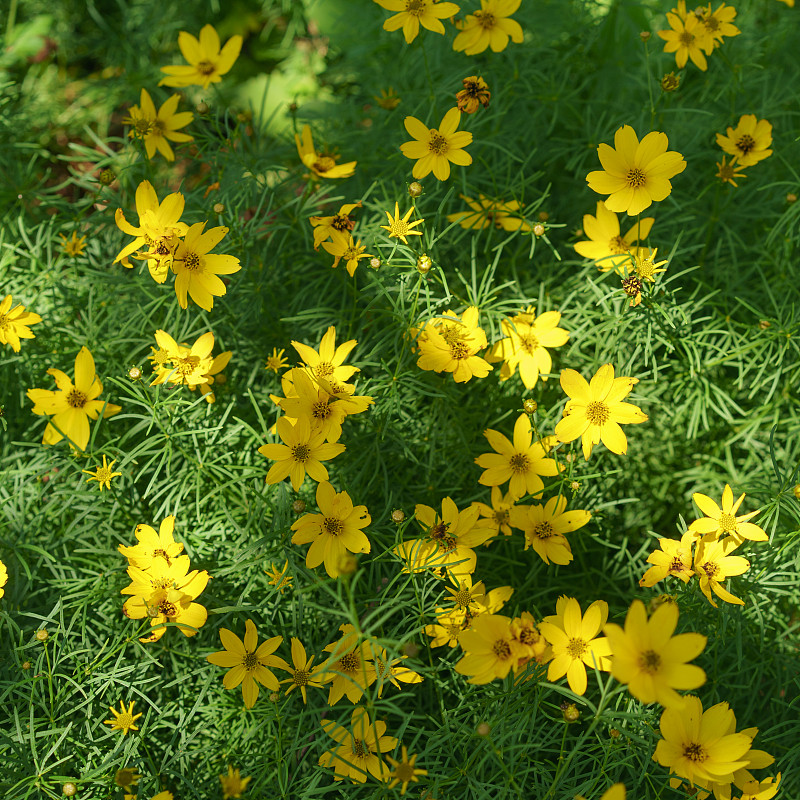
[160,796]
[328,362]
[196,269]
[158,128]
[449,624]
[497,516]
[400,228]
[595,410]
[343,246]
[153,549]
[278,577]
[719,522]
[486,212]
[713,564]
[14,323]
[489,27]
[349,668]
[388,99]
[233,784]
[749,141]
[767,788]
[73,246]
[605,245]
[325,227]
[126,777]
[434,149]
[674,558]
[474,94]
[123,720]
[729,173]
[490,649]
[413,13]
[324,166]
[208,62]
[3,578]
[687,38]
[302,673]
[217,365]
[248,662]
[718,24]
[403,771]
[190,365]
[615,792]
[276,361]
[650,660]
[545,528]
[645,266]
[103,475]
[72,405]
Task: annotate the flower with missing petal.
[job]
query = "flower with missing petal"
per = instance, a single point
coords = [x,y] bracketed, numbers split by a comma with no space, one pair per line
[399,227]
[434,148]
[14,323]
[486,212]
[490,649]
[158,128]
[403,771]
[729,173]
[687,38]
[749,141]
[328,361]
[413,13]
[719,522]
[303,675]
[341,221]
[714,564]
[606,247]
[207,62]
[674,558]
[343,246]
[545,528]
[233,784]
[103,474]
[153,549]
[320,164]
[123,720]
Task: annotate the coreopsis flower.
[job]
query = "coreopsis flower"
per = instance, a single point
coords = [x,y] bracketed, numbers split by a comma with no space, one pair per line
[650,660]
[532,644]
[467,597]
[595,410]
[357,751]
[278,577]
[392,670]
[334,532]
[301,452]
[3,578]
[687,38]
[328,361]
[729,173]
[341,221]
[765,789]
[526,339]
[388,99]
[248,662]
[349,668]
[719,522]
[674,558]
[574,642]
[275,361]
[749,141]
[126,778]
[718,24]
[233,784]
[73,246]
[321,165]
[645,267]
[451,344]
[207,63]
[413,13]
[521,462]
[72,405]
[403,771]
[196,268]
[449,624]
[343,246]
[714,564]
[160,796]
[606,246]
[489,27]
[123,720]
[103,474]
[496,516]
[490,649]
[184,365]
[635,174]
[474,94]
[545,528]
[434,148]
[302,672]
[14,323]
[486,212]
[399,227]
[670,82]
[158,128]
[153,549]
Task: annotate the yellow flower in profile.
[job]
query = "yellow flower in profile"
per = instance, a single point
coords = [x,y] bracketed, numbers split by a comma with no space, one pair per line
[343,246]
[302,673]
[595,410]
[635,174]
[749,142]
[275,361]
[399,227]
[341,221]
[413,13]
[388,99]
[123,720]
[72,405]
[3,578]
[324,166]
[650,660]
[713,564]
[103,475]
[73,246]
[729,173]
[434,148]
[490,649]
[248,662]
[158,128]
[486,212]
[233,784]
[403,771]
[14,323]
[606,246]
[207,62]
[545,528]
[687,38]
[489,27]
[674,558]
[722,521]
[765,789]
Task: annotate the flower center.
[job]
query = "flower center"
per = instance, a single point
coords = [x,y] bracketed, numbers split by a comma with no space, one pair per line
[186,366]
[485,19]
[142,126]
[529,343]
[439,531]
[649,662]
[191,261]
[686,38]
[459,350]
[519,462]
[342,222]
[167,609]
[746,143]
[158,127]
[463,597]
[576,648]
[618,246]
[205,68]
[676,566]
[447,544]
[359,751]
[711,23]
[76,399]
[300,677]
[727,522]
[710,569]
[4,323]
[501,517]
[543,530]
[301,453]
[124,720]
[404,772]
[694,752]
[597,413]
[437,143]
[323,369]
[636,178]
[349,662]
[320,410]
[250,661]
[501,649]
[332,526]
[528,636]
[324,163]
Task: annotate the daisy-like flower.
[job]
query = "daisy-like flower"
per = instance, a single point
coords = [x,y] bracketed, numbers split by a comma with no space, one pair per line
[719,522]
[399,227]
[153,549]
[650,660]
[123,720]
[187,366]
[674,558]
[392,670]
[72,405]
[275,361]
[413,13]
[388,99]
[196,269]
[343,246]
[349,668]
[486,212]
[489,27]
[474,94]
[729,173]
[451,344]
[328,361]
[718,25]
[714,564]
[303,675]
[521,462]
[645,266]
[341,221]
[3,578]
[434,148]
[687,38]
[247,662]
[449,624]
[334,532]
[14,323]
[357,751]
[595,410]
[468,598]
[545,528]
[160,796]
[207,63]
[233,784]
[574,642]
[278,577]
[103,475]
[749,142]
[767,788]
[321,165]
[635,174]
[158,128]
[526,339]
[606,246]
[497,516]
[490,649]
[403,771]
[73,246]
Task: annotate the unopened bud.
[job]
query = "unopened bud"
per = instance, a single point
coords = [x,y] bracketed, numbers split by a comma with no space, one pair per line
[299,506]
[415,188]
[791,197]
[538,229]
[424,264]
[570,712]
[218,208]
[483,729]
[529,406]
[69,789]
[374,262]
[107,177]
[645,35]
[42,635]
[398,516]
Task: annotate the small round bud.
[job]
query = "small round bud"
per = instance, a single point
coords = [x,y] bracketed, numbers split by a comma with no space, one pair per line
[570,457]
[415,188]
[202,107]
[538,229]
[274,697]
[42,635]
[424,264]
[613,733]
[645,36]
[219,208]
[348,564]
[398,516]
[374,262]
[134,373]
[410,649]
[570,712]
[791,197]
[483,729]
[299,506]
[69,789]
[764,324]
[797,491]
[574,486]
[293,108]
[529,406]
[107,177]
[543,216]
[26,665]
